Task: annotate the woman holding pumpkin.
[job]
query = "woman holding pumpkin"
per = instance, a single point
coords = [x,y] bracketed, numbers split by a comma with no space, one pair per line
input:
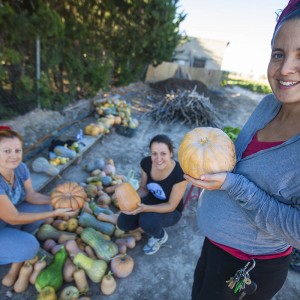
[161,188]
[22,210]
[252,214]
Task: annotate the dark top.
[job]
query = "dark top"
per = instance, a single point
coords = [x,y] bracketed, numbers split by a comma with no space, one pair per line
[160,191]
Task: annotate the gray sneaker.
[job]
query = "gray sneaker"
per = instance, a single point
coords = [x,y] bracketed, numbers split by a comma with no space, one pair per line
[154,244]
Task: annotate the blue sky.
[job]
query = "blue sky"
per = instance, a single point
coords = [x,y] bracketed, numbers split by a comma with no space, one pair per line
[247,25]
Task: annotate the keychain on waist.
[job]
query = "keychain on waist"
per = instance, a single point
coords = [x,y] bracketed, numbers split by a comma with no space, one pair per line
[241,281]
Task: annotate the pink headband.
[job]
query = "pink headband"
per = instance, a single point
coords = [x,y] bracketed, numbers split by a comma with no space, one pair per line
[287,10]
[3,128]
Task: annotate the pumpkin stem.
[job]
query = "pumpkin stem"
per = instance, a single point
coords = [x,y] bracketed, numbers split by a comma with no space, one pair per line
[203,140]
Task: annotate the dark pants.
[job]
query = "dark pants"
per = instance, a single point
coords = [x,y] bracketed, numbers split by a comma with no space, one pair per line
[216,266]
[151,223]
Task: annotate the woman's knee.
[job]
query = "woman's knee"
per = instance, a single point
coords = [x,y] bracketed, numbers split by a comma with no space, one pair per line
[19,246]
[126,222]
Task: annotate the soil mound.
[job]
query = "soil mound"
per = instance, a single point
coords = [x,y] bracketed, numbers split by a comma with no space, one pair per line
[174,84]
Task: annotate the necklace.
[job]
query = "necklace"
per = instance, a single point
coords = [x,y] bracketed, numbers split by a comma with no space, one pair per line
[10,181]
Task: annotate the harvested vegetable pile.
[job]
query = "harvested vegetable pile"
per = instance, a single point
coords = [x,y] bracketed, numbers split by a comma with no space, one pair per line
[186,106]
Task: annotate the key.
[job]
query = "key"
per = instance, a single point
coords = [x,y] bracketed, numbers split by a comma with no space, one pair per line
[249,290]
[231,282]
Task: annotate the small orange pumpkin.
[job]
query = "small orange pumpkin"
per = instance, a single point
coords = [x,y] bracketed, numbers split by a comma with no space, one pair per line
[122,265]
[68,195]
[128,199]
[206,150]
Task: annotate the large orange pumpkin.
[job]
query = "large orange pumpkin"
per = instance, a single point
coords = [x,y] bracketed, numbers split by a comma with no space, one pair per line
[68,195]
[206,150]
[128,199]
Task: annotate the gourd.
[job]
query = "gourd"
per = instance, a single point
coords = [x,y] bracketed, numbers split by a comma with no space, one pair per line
[49,244]
[206,150]
[68,270]
[42,165]
[47,293]
[69,293]
[91,190]
[98,209]
[113,218]
[68,195]
[81,281]
[103,248]
[37,268]
[128,198]
[11,276]
[122,265]
[129,242]
[93,165]
[22,282]
[52,275]
[94,268]
[106,180]
[47,231]
[60,224]
[87,220]
[72,224]
[108,284]
[65,152]
[72,248]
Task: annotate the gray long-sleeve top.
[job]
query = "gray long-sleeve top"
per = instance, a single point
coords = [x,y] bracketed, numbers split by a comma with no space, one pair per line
[257,209]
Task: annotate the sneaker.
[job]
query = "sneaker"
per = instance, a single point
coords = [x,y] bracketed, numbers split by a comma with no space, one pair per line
[154,244]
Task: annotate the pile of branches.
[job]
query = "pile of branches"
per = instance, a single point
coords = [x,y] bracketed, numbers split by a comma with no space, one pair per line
[187,107]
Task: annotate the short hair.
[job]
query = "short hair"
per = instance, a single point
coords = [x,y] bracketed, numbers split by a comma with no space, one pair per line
[7,133]
[162,138]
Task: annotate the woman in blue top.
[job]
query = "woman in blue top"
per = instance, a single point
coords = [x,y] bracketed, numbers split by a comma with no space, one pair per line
[251,216]
[161,188]
[22,210]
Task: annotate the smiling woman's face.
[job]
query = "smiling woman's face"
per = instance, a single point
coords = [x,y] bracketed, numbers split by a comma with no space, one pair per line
[160,155]
[10,153]
[284,65]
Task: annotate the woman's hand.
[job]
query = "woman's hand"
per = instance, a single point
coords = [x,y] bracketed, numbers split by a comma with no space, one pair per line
[65,212]
[141,208]
[208,181]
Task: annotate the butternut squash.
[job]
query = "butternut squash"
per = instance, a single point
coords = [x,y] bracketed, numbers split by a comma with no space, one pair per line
[22,282]
[108,284]
[11,276]
[68,270]
[37,268]
[113,218]
[81,281]
[103,248]
[72,248]
[94,268]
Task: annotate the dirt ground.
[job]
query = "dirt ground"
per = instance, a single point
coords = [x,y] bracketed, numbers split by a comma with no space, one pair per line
[168,274]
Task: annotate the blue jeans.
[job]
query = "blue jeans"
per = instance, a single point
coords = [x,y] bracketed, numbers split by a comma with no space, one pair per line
[151,223]
[18,242]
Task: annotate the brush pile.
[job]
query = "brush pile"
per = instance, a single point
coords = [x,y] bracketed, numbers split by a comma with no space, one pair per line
[187,107]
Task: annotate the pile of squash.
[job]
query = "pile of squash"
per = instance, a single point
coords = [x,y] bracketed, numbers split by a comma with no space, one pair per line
[88,248]
[117,108]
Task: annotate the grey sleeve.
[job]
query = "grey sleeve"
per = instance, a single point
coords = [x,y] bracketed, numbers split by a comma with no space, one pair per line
[268,214]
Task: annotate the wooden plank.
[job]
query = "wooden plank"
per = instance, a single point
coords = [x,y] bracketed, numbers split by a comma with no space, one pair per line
[40,180]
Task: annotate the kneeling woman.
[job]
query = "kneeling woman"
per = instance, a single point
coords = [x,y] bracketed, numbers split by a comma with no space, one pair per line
[161,189]
[22,210]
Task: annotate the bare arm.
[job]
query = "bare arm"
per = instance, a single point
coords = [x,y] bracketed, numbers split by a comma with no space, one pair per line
[32,196]
[175,197]
[142,190]
[10,214]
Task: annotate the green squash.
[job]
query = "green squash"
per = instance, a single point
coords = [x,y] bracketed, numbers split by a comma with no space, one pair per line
[53,274]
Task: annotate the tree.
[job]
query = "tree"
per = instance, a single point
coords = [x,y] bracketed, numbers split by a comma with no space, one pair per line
[86,45]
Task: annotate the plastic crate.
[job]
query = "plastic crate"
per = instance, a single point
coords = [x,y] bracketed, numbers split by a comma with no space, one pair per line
[126,131]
